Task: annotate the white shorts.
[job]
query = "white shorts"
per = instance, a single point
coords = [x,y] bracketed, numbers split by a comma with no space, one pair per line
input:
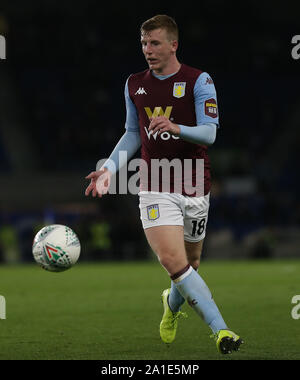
[161,209]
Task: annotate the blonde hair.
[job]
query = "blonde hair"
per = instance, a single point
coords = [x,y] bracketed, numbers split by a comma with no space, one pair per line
[161,22]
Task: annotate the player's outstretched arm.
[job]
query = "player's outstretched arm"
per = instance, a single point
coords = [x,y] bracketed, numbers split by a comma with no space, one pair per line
[129,143]
[100,182]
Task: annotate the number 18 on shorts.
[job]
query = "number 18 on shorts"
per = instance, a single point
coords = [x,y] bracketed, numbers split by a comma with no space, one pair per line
[158,209]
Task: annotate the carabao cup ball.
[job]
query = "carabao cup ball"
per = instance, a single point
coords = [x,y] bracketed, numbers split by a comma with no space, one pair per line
[56,248]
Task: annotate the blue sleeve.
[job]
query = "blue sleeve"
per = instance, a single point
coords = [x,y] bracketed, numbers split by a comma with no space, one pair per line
[129,143]
[206,108]
[132,120]
[127,146]
[201,134]
[206,105]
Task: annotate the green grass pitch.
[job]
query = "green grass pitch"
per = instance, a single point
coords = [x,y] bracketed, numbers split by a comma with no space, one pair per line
[109,311]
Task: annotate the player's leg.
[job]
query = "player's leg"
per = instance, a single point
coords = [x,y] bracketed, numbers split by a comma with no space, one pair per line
[174,253]
[158,209]
[193,253]
[193,285]
[226,340]
[167,241]
[195,212]
[158,212]
[188,284]
[168,244]
[162,221]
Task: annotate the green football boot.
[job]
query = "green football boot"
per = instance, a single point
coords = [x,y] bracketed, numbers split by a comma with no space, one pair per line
[227,341]
[168,324]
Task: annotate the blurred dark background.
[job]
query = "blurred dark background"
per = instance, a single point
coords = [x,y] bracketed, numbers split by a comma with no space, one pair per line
[62,109]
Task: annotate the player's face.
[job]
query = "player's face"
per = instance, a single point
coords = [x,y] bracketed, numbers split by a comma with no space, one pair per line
[158,49]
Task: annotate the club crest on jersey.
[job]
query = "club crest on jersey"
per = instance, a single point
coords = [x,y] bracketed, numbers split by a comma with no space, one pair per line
[153,212]
[179,89]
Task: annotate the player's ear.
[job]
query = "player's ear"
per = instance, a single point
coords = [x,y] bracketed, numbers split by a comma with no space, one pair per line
[174,45]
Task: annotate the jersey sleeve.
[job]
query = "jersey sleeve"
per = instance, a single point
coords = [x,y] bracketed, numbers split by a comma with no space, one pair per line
[200,134]
[206,105]
[127,146]
[132,121]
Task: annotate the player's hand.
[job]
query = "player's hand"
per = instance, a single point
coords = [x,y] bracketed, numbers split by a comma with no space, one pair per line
[100,182]
[162,124]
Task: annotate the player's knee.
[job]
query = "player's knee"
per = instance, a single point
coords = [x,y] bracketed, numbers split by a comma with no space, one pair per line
[172,262]
[166,261]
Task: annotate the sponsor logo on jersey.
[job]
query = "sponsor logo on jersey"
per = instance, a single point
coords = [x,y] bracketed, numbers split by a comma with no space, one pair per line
[153,212]
[179,89]
[211,108]
[141,91]
[158,111]
[164,136]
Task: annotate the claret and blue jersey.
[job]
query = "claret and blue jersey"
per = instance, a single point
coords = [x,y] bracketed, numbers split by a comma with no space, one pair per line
[203,91]
[187,98]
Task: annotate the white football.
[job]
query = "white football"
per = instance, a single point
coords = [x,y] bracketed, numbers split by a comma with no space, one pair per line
[56,248]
